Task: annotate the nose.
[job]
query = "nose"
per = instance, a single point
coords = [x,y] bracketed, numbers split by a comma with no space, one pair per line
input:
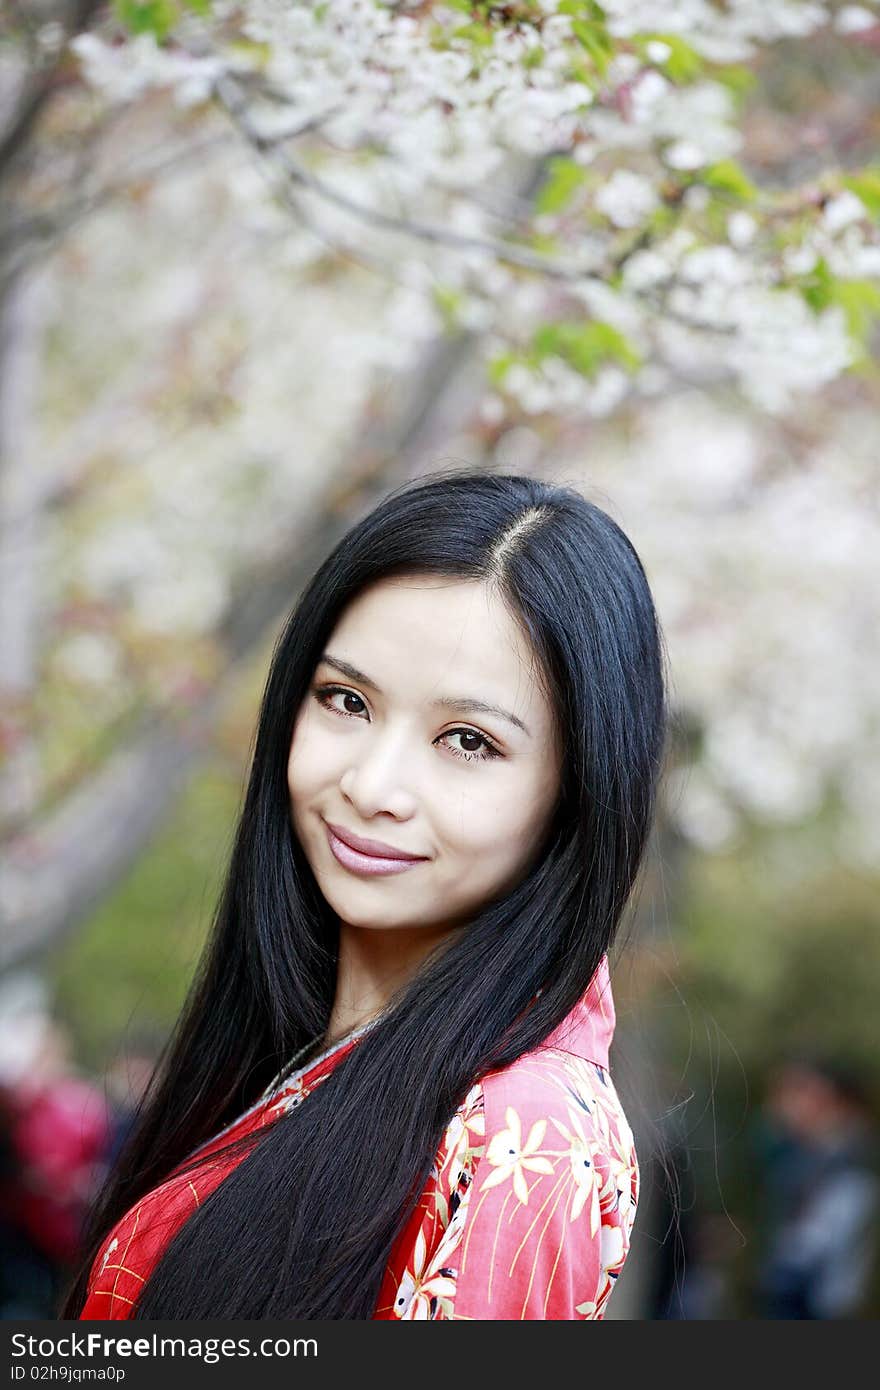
[379,775]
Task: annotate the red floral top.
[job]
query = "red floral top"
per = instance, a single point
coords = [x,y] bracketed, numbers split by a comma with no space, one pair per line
[528,1210]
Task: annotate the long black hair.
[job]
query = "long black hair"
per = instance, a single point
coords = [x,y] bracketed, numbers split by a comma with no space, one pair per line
[304,1224]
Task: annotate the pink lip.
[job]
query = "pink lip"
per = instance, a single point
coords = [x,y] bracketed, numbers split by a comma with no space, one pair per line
[360,863]
[376,848]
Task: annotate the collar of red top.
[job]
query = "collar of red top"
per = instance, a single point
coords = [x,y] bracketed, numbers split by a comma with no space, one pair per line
[588,1030]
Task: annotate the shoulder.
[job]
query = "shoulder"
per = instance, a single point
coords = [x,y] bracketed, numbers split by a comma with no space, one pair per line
[541,1167]
[552,1109]
[548,1075]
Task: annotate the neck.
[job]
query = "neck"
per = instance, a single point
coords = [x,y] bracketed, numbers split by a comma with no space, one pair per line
[373,964]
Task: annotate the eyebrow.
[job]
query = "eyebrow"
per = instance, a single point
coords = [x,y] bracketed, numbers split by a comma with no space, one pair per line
[444,701]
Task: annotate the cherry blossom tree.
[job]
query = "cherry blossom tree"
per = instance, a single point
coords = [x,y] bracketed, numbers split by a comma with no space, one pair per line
[544,233]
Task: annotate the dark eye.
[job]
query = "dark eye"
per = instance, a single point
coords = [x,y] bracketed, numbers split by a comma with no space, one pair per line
[481,748]
[323,696]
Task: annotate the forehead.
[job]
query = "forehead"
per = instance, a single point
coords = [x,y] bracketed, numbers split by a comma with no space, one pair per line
[424,636]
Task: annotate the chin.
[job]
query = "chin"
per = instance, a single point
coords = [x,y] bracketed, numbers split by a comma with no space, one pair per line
[353,909]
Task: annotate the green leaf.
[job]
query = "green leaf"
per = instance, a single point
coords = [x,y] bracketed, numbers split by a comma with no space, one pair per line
[817,286]
[148,16]
[584,346]
[866,185]
[565,177]
[580,70]
[500,366]
[860,302]
[201,7]
[715,217]
[660,221]
[584,9]
[593,38]
[252,50]
[449,303]
[480,34]
[859,299]
[684,63]
[728,177]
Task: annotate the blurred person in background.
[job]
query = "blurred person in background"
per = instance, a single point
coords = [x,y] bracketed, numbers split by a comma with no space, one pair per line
[55,1135]
[26,1275]
[820,1190]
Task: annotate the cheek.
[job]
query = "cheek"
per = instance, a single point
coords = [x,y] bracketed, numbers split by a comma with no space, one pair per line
[497,823]
[305,759]
[491,848]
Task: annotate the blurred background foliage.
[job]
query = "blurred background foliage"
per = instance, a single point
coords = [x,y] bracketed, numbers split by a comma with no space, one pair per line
[132,962]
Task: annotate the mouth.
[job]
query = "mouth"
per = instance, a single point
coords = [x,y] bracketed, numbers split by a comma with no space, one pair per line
[356,861]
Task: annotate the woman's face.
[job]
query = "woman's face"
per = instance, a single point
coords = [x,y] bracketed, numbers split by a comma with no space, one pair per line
[388,745]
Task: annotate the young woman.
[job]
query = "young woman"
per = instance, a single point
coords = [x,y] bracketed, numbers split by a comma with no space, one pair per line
[388,1095]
